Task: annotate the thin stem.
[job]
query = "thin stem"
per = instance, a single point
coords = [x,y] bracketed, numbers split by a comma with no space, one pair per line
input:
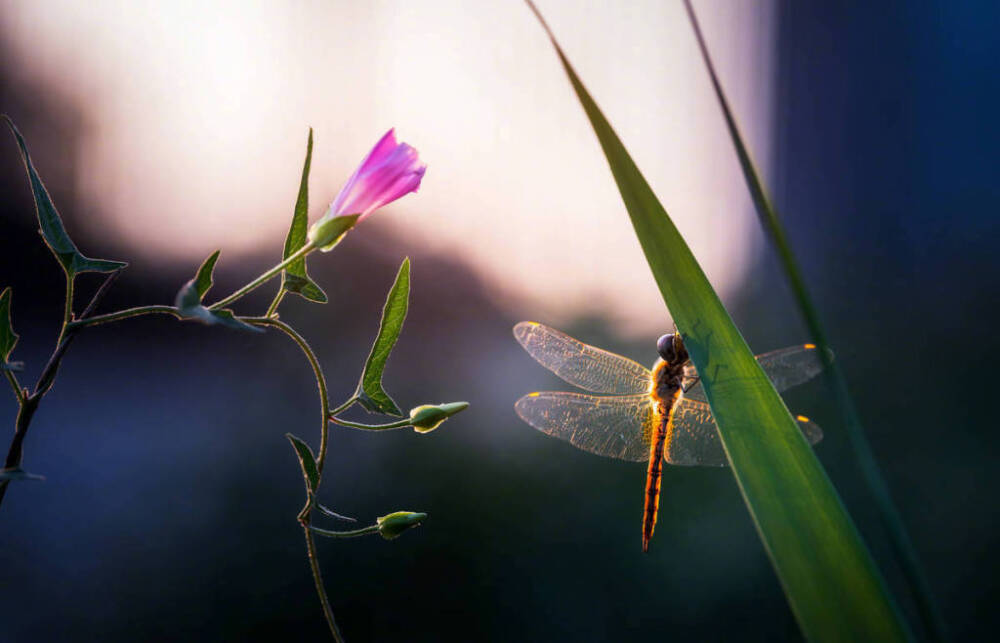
[253,285]
[68,310]
[306,515]
[29,403]
[318,578]
[364,531]
[317,372]
[273,308]
[891,519]
[371,427]
[16,450]
[14,384]
[123,314]
[343,407]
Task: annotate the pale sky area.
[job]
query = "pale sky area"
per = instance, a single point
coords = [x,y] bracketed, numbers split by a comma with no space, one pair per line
[197,115]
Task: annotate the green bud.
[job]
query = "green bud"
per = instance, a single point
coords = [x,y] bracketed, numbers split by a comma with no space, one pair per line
[427,417]
[328,231]
[394,524]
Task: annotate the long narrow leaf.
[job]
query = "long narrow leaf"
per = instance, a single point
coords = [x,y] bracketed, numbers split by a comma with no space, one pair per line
[829,578]
[295,278]
[898,536]
[370,392]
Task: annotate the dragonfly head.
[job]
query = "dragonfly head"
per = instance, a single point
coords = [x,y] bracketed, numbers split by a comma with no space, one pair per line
[671,349]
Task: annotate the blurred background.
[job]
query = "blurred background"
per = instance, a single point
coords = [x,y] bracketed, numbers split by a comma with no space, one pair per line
[164,131]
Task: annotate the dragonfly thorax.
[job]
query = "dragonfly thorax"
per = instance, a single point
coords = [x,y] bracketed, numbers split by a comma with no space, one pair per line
[668,377]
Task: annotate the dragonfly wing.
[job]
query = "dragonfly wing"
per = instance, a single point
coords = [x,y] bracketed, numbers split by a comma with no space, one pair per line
[582,365]
[617,427]
[695,439]
[786,368]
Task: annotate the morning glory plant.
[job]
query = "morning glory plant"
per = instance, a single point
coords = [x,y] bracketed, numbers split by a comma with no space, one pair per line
[389,172]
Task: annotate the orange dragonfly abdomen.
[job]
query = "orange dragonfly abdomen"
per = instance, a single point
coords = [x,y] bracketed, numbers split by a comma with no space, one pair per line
[664,429]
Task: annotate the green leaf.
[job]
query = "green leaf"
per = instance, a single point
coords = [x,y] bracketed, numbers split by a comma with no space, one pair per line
[203,280]
[188,301]
[828,575]
[307,461]
[295,278]
[370,392]
[17,473]
[53,232]
[906,553]
[8,338]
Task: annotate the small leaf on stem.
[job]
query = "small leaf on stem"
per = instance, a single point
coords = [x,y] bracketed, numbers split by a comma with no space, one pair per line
[8,338]
[188,301]
[203,280]
[326,511]
[52,229]
[307,461]
[17,473]
[370,392]
[295,278]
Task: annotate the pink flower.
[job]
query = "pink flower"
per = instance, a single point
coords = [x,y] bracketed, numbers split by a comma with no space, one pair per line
[391,170]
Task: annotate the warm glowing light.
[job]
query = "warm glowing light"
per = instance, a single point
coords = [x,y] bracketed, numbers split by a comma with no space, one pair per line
[195,115]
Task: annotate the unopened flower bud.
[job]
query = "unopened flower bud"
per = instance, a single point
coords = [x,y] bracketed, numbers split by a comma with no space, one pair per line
[394,524]
[427,417]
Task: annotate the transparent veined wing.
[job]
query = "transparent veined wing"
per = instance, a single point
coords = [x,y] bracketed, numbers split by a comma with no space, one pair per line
[580,364]
[617,427]
[695,439]
[786,367]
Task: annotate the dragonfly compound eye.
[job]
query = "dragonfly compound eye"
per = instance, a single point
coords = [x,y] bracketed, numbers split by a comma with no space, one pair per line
[665,347]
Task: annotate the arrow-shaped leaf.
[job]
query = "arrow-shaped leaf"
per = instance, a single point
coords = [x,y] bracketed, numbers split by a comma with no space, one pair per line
[307,461]
[8,338]
[295,278]
[370,392]
[188,301]
[53,231]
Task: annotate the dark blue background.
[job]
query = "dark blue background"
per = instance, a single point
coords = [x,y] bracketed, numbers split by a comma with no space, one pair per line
[169,508]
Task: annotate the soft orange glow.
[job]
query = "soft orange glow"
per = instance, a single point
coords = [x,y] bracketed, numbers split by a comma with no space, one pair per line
[197,116]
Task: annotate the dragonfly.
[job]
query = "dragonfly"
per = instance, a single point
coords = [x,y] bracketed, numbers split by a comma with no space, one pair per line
[642,415]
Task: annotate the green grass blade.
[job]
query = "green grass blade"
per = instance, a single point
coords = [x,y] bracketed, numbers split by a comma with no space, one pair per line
[829,578]
[902,545]
[370,392]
